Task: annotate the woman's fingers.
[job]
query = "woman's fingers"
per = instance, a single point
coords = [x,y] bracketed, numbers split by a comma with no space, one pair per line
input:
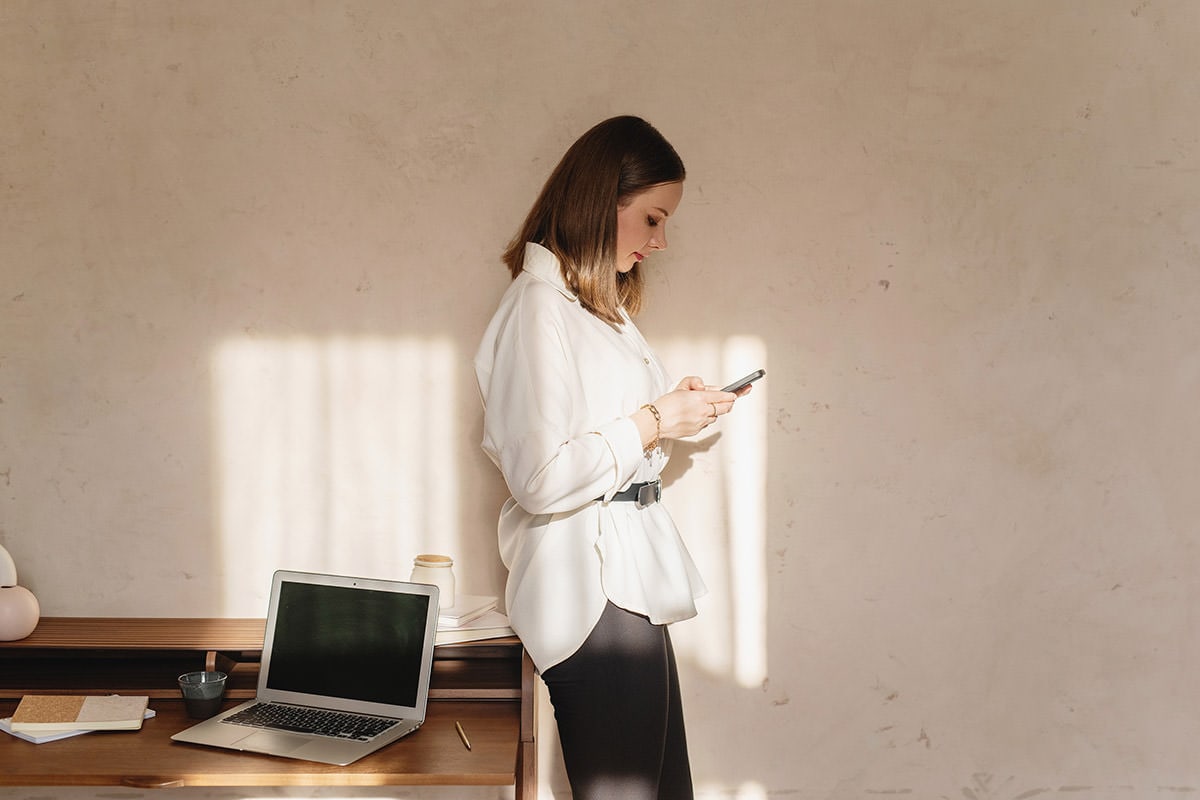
[687,411]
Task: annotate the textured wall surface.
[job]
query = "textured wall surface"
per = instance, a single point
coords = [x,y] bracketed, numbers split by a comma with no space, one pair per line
[247,251]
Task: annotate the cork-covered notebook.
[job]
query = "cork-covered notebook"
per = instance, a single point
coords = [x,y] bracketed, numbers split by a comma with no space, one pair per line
[45,712]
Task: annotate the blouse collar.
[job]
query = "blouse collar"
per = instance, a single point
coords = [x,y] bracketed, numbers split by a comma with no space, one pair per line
[543,265]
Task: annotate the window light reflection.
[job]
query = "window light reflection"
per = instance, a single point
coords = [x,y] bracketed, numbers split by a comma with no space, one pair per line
[744,467]
[339,455]
[332,455]
[719,503]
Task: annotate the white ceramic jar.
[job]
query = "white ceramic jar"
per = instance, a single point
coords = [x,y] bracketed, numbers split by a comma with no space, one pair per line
[438,570]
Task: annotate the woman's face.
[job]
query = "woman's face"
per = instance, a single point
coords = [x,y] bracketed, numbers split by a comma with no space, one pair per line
[642,223]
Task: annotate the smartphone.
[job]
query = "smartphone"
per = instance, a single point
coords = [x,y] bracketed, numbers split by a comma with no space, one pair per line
[746,381]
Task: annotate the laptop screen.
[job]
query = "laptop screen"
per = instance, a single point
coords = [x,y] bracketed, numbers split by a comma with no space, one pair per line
[351,643]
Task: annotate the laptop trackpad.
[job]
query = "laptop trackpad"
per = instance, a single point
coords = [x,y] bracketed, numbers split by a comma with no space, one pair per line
[274,743]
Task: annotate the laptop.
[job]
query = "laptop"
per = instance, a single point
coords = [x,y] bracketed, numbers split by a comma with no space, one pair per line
[345,670]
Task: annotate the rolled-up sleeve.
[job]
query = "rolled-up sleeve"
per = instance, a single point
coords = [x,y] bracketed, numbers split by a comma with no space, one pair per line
[538,427]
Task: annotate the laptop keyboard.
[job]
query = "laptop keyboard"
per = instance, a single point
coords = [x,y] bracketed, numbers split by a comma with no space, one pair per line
[298,719]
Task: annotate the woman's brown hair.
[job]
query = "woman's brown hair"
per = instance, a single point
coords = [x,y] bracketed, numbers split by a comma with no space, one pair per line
[575,216]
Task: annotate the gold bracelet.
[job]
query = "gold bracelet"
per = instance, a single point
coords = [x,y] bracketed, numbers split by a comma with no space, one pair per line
[657,428]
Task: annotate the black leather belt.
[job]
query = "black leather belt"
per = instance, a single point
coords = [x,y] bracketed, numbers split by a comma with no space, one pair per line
[644,494]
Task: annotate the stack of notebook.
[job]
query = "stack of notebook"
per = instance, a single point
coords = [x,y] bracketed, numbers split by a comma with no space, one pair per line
[471,617]
[46,718]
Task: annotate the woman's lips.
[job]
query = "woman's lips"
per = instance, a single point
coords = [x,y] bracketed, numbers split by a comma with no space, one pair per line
[638,255]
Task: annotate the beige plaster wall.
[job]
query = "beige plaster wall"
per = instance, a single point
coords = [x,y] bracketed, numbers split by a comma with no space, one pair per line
[247,250]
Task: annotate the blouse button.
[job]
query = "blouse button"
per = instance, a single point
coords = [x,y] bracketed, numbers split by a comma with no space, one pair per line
[646,360]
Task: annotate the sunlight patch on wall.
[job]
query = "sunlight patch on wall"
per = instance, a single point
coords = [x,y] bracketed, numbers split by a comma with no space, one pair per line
[750,790]
[719,502]
[744,463]
[332,455]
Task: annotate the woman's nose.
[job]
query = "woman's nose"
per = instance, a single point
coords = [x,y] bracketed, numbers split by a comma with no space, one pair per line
[659,240]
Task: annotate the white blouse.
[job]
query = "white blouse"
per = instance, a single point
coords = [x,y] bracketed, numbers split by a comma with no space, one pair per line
[558,386]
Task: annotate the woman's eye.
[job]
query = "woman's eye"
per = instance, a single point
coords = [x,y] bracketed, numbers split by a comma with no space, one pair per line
[652,222]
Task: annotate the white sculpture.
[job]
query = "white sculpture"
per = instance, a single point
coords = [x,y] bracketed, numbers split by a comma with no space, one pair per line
[19,609]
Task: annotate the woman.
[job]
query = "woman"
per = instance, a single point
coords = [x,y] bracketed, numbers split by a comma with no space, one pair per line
[578,416]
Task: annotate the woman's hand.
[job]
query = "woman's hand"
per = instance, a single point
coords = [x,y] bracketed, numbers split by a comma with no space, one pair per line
[686,411]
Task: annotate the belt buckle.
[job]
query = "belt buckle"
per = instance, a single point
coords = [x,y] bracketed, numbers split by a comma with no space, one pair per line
[649,494]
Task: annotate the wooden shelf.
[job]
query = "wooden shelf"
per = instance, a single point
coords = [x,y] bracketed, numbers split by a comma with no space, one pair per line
[124,634]
[487,685]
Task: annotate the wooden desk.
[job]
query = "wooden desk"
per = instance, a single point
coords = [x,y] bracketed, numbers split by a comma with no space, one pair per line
[487,685]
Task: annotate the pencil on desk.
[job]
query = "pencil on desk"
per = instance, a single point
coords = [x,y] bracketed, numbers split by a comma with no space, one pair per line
[462,734]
